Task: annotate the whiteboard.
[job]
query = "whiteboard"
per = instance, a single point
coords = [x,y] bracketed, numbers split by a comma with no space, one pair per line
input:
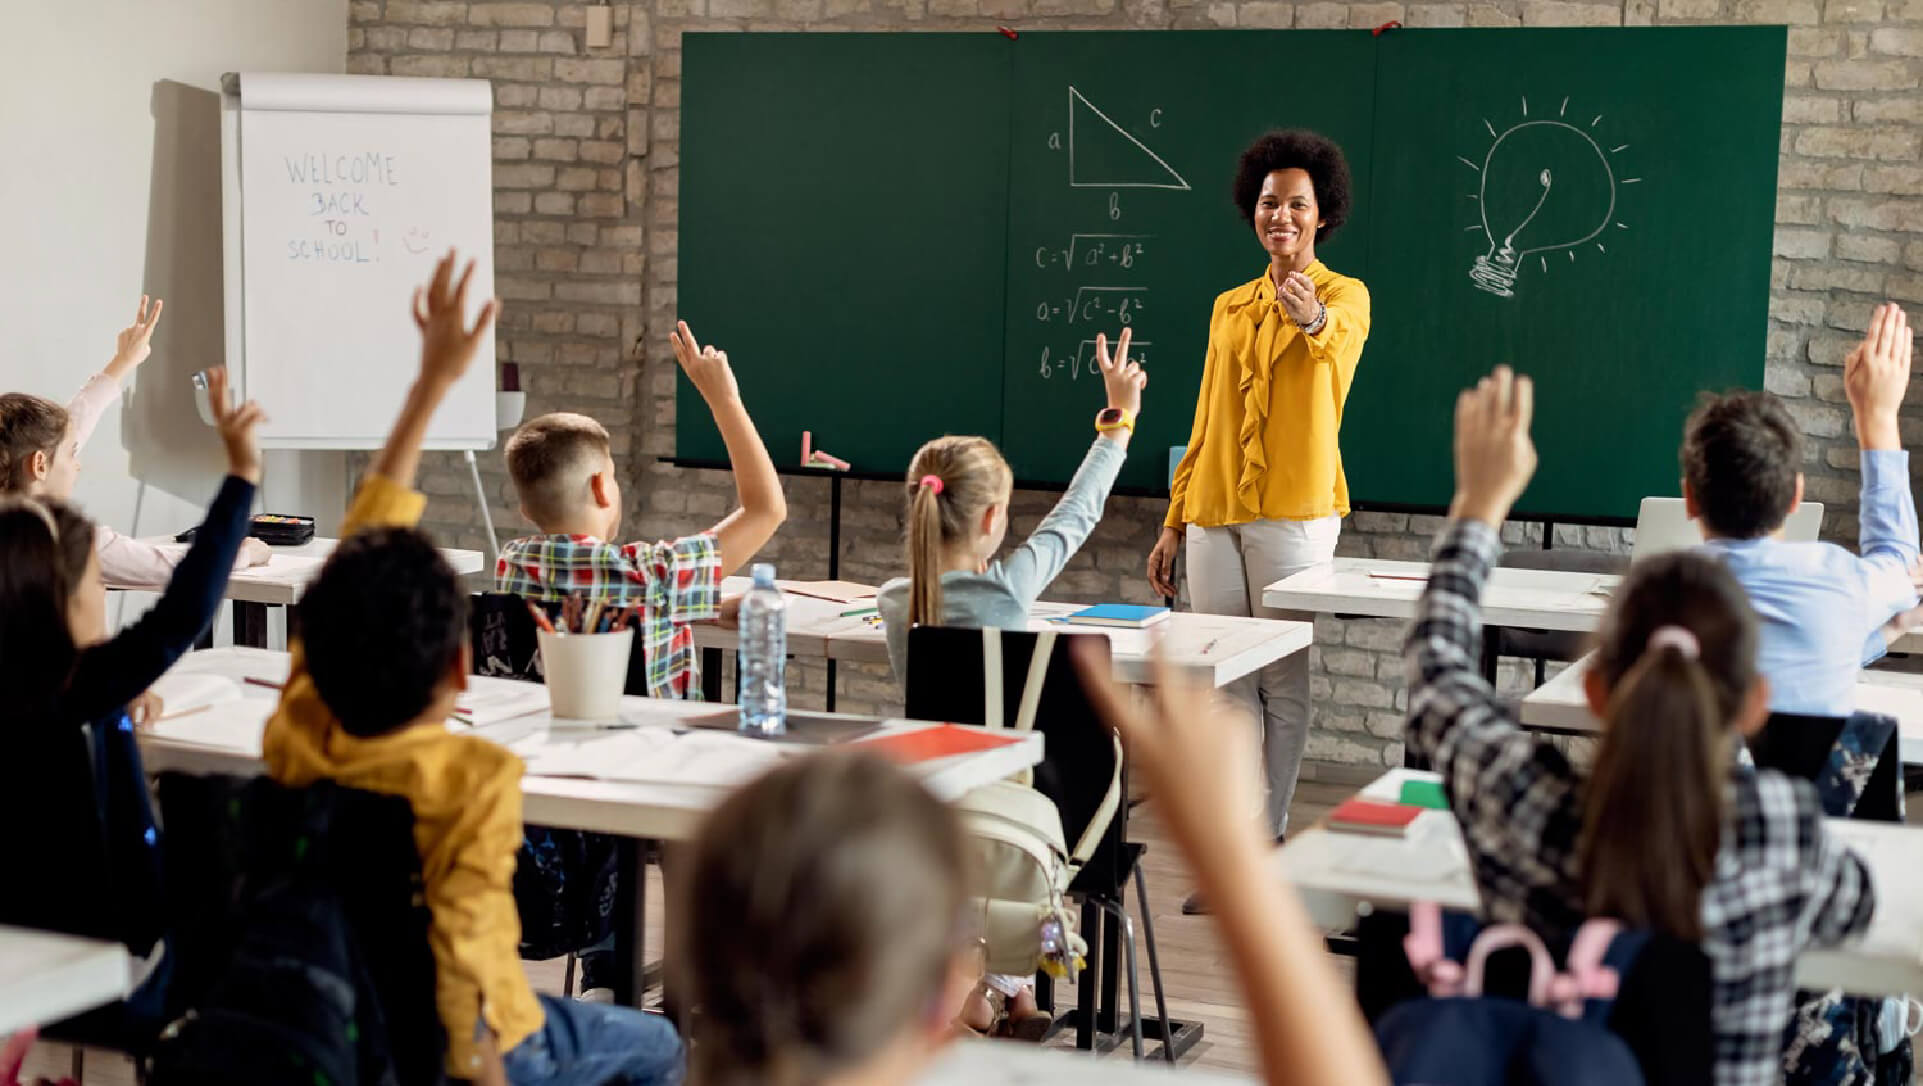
[339,194]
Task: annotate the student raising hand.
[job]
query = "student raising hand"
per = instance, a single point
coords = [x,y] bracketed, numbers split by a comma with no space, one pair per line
[1122,377]
[134,343]
[1195,753]
[239,426]
[448,344]
[1494,455]
[1876,374]
[707,367]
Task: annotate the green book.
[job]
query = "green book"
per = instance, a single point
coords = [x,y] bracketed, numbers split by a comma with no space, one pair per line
[1423,794]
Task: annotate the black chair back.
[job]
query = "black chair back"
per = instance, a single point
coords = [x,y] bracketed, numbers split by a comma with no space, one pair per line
[228,835]
[1854,761]
[500,630]
[946,682]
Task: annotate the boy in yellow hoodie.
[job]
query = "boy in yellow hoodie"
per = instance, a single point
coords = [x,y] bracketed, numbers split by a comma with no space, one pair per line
[381,658]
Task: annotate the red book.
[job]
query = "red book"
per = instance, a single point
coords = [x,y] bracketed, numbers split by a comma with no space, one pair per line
[1357,815]
[941,741]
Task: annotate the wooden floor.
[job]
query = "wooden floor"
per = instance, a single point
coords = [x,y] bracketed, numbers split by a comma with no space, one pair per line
[1199,984]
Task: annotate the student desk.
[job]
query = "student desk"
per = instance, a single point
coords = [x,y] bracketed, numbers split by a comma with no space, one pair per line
[1335,872]
[1530,599]
[972,1063]
[226,739]
[1559,705]
[283,579]
[1216,649]
[45,977]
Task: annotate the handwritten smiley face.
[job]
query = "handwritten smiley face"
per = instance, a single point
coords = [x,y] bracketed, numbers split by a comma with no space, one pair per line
[416,240]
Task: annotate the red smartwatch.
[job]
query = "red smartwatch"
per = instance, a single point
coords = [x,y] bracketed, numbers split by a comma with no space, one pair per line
[1110,419]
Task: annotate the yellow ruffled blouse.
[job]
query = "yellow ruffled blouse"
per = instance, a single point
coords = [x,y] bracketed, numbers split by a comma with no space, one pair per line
[1270,409]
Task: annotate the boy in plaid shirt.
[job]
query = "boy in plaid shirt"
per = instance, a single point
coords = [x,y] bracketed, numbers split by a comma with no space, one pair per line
[564,474]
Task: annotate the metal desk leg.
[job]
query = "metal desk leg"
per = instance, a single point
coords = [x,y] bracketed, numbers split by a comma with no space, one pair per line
[630,922]
[711,675]
[250,624]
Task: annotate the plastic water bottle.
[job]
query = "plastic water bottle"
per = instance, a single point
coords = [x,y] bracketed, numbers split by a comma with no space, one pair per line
[764,656]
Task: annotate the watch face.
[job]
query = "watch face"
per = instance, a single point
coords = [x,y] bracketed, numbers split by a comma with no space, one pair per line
[1109,416]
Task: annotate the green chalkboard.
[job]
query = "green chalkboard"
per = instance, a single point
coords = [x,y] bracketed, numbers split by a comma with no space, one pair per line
[901,235]
[844,209]
[1642,278]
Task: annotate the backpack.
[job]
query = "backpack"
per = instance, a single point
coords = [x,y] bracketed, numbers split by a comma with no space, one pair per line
[281,979]
[1558,1037]
[1017,845]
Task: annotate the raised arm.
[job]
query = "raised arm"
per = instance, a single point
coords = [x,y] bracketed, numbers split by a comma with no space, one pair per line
[757,487]
[448,346]
[1033,565]
[1196,756]
[110,674]
[1875,376]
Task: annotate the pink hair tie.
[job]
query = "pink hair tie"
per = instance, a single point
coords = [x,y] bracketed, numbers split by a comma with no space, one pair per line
[1678,638]
[933,482]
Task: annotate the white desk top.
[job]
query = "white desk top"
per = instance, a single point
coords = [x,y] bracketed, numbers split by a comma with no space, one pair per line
[1380,588]
[46,977]
[285,576]
[226,739]
[1217,648]
[972,1063]
[1335,872]
[1559,704]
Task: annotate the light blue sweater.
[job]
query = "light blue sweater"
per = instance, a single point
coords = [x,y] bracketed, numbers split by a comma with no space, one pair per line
[1002,595]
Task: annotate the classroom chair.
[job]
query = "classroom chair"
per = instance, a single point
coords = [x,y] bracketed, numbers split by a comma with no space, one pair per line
[230,837]
[948,680]
[1545,645]
[561,911]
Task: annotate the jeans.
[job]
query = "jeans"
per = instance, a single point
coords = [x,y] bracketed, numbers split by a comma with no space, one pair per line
[587,1044]
[1228,569]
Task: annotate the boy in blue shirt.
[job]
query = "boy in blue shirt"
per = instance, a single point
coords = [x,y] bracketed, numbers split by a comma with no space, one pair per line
[1823,609]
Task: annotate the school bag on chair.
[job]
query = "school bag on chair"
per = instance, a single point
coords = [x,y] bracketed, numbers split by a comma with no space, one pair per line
[1022,856]
[1558,1036]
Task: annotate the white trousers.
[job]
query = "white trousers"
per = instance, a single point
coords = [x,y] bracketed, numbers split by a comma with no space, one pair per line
[1227,570]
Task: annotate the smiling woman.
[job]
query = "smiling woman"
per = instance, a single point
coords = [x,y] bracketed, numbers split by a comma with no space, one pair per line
[1260,494]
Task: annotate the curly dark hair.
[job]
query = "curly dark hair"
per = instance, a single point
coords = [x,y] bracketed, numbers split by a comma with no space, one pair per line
[1297,149]
[382,624]
[1741,453]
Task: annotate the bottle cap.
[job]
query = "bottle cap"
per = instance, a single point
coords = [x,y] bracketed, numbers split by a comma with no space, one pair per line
[764,574]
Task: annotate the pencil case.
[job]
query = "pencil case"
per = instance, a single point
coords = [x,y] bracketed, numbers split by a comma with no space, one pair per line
[281,529]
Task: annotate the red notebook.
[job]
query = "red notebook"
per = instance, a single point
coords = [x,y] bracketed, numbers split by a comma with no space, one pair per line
[1357,815]
[941,741]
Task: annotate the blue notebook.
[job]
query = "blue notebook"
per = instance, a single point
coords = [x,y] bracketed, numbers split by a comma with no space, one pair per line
[1118,614]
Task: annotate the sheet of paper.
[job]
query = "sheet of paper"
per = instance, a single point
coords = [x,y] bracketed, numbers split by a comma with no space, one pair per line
[230,726]
[180,691]
[651,755]
[833,591]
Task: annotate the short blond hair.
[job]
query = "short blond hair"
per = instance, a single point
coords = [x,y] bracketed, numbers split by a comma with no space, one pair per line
[551,458]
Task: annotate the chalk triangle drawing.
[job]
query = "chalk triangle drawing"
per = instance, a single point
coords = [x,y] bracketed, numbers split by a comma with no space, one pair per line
[1097,159]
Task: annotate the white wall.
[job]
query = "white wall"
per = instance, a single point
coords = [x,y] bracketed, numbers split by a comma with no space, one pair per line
[110,110]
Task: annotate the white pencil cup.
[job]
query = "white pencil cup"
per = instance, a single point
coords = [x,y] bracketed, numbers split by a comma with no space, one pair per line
[586,673]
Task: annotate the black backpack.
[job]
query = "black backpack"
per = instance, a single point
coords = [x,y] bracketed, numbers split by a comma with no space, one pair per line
[312,965]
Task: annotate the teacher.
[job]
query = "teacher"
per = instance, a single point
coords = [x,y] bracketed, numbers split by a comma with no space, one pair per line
[1260,493]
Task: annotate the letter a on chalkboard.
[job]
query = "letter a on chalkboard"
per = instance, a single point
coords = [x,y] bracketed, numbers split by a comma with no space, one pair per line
[1103,155]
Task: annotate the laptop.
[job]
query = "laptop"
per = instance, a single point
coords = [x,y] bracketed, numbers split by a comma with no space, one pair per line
[1663,525]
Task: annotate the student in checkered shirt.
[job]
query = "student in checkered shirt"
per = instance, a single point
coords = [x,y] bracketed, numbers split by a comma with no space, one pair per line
[564,474]
[1666,830]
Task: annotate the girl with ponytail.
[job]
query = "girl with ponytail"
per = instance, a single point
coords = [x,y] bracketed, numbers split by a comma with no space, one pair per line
[957,513]
[1667,830]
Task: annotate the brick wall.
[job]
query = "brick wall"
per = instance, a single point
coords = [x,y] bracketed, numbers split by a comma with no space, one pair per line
[586,181]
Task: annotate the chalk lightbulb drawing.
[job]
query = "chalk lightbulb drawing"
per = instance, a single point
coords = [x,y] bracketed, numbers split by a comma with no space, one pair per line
[1545,185]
